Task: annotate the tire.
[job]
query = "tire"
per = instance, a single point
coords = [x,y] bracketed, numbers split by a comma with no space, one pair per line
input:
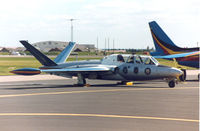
[183,76]
[171,84]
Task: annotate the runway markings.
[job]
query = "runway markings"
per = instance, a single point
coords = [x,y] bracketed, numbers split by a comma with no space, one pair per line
[97,115]
[90,91]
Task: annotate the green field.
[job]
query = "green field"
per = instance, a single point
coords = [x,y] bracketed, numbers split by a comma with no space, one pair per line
[11,63]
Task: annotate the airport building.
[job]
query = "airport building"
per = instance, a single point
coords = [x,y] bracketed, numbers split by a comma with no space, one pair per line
[46,46]
[4,49]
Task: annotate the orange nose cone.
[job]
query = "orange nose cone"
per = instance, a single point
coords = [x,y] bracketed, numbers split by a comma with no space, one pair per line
[26,71]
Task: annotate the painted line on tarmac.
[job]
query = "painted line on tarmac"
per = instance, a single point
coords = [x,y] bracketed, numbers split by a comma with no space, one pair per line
[98,115]
[90,91]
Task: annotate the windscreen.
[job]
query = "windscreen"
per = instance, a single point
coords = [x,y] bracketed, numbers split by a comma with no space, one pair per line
[155,61]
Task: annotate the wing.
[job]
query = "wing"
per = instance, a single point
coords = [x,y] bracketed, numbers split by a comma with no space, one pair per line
[178,55]
[70,71]
[81,69]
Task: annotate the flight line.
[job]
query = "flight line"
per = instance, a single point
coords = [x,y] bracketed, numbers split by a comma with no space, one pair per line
[98,115]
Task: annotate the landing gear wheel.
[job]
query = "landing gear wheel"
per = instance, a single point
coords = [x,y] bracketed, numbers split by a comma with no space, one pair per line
[171,84]
[81,80]
[183,76]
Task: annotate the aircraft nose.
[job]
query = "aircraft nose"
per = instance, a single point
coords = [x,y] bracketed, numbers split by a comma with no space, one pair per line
[176,72]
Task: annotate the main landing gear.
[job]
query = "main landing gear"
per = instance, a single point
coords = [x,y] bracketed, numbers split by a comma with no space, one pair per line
[81,80]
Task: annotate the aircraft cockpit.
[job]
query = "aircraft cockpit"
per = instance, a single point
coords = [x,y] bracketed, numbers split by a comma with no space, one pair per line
[120,58]
[127,58]
[147,60]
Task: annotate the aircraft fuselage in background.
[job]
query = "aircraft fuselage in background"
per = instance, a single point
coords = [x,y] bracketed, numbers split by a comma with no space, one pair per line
[165,48]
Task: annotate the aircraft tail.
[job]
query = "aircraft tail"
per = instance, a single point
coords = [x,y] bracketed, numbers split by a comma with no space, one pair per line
[61,58]
[43,59]
[163,44]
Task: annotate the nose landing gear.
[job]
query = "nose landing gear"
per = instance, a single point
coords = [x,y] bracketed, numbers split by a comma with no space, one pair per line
[172,83]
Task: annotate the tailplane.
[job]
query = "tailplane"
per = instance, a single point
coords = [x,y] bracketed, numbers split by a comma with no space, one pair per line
[61,58]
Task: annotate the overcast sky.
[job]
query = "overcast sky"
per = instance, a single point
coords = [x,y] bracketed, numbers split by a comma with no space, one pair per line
[125,21]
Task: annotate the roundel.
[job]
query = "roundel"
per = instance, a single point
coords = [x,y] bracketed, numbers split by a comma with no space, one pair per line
[125,70]
[136,70]
[147,71]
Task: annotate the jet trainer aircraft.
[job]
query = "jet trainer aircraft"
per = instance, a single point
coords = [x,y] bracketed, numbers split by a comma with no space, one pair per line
[166,49]
[113,67]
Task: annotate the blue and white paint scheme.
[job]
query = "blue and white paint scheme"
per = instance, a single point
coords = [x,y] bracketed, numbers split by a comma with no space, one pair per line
[124,67]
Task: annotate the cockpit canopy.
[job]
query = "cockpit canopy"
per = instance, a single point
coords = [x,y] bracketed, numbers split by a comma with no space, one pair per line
[139,59]
[127,58]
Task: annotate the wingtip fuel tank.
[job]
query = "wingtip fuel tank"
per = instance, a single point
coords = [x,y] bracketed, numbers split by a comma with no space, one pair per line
[26,71]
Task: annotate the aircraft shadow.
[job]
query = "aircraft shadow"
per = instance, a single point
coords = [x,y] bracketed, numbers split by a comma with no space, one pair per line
[45,86]
[36,86]
[130,86]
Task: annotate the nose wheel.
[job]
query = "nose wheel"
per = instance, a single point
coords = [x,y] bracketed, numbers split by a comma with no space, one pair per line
[172,84]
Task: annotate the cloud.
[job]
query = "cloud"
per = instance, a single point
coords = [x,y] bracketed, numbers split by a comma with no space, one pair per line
[124,20]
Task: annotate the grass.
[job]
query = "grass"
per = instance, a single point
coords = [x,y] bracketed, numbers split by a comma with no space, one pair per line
[11,63]
[4,53]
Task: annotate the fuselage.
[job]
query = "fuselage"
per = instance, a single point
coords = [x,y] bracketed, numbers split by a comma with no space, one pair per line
[125,67]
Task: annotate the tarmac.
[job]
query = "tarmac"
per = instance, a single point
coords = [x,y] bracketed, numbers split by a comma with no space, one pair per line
[45,102]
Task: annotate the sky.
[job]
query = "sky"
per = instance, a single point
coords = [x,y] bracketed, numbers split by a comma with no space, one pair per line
[124,21]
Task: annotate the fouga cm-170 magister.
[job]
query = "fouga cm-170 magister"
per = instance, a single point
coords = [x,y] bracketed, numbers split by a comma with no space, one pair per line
[124,68]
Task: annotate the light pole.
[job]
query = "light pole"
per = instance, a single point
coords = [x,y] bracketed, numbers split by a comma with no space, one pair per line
[97,44]
[113,45]
[71,28]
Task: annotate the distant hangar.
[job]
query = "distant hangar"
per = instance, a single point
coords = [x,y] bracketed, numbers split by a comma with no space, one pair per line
[46,46]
